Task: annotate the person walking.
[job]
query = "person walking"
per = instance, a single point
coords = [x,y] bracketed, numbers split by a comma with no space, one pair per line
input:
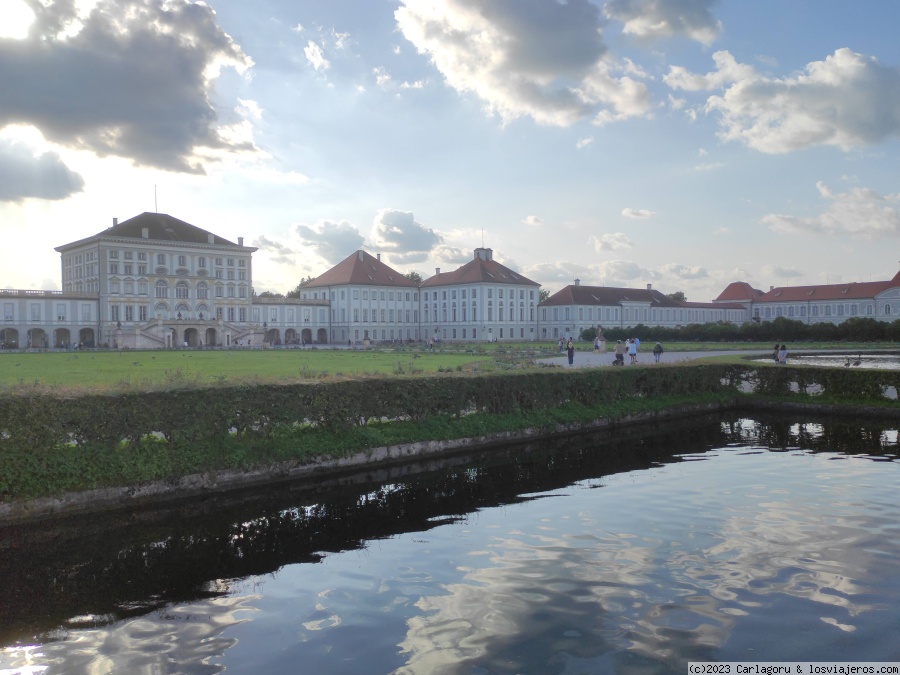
[782,355]
[657,351]
[632,351]
[570,350]
[620,354]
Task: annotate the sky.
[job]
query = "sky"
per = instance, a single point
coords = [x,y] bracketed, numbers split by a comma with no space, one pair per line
[685,144]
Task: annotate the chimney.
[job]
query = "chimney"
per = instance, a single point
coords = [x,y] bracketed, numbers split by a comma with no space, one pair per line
[361,255]
[578,282]
[115,221]
[210,238]
[240,241]
[379,257]
[484,253]
[145,232]
[771,288]
[437,270]
[649,287]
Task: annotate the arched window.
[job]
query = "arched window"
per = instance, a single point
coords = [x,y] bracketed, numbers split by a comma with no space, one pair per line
[202,291]
[181,290]
[162,289]
[887,308]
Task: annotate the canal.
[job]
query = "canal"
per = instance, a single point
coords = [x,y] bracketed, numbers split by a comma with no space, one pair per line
[763,538]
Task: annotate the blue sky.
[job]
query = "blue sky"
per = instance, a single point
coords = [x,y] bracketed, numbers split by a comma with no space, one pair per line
[681,143]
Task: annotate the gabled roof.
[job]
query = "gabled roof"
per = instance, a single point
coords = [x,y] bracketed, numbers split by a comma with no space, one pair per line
[160,227]
[361,269]
[606,295]
[851,291]
[738,291]
[479,270]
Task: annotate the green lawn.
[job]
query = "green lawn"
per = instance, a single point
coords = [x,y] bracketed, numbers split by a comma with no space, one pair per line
[142,369]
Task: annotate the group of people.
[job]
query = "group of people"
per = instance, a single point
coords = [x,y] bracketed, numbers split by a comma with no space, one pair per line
[630,347]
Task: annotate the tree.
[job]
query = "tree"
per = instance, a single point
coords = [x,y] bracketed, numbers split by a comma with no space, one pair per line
[543,294]
[677,296]
[267,294]
[295,293]
[414,277]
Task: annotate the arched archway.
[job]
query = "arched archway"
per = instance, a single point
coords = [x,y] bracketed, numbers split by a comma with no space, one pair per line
[37,338]
[210,337]
[273,336]
[307,336]
[192,337]
[9,338]
[322,337]
[290,336]
[62,337]
[86,337]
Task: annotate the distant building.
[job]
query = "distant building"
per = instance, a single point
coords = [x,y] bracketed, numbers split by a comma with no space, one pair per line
[482,300]
[575,308]
[368,299]
[829,303]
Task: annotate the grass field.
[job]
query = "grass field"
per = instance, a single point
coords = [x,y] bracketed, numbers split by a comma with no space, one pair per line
[129,370]
[142,369]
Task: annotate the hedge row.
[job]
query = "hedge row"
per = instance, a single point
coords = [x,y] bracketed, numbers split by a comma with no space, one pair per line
[39,423]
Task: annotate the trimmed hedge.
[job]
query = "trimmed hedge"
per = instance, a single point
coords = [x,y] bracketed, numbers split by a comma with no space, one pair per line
[50,443]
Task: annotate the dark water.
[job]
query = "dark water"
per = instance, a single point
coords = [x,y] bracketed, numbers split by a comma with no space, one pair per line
[771,539]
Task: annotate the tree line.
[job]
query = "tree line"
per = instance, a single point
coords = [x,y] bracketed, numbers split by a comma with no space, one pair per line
[855,329]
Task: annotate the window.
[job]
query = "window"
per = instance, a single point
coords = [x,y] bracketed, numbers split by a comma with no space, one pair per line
[9,313]
[219,262]
[114,313]
[202,291]
[160,259]
[142,255]
[887,309]
[182,260]
[181,290]
[85,312]
[231,313]
[201,261]
[142,313]
[162,289]
[391,295]
[113,254]
[113,268]
[129,312]
[242,262]
[231,262]
[128,255]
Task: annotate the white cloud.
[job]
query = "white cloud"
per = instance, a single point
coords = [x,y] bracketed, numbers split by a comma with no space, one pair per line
[534,221]
[847,100]
[859,212]
[382,77]
[316,56]
[584,142]
[654,19]
[782,272]
[536,58]
[398,233]
[333,241]
[418,84]
[708,166]
[684,271]
[613,241]
[638,213]
[142,73]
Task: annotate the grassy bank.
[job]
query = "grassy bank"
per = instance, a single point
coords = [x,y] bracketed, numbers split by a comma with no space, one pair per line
[32,475]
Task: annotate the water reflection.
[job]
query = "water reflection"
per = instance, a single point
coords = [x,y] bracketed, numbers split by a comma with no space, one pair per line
[614,552]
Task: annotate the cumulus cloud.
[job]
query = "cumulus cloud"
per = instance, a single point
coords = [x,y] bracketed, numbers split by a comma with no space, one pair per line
[612,241]
[26,175]
[847,100]
[781,272]
[131,78]
[584,142]
[406,240]
[332,241]
[638,213]
[859,212]
[538,58]
[685,272]
[316,57]
[654,19]
[534,221]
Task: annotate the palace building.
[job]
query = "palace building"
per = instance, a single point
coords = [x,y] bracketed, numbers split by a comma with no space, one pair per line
[154,281]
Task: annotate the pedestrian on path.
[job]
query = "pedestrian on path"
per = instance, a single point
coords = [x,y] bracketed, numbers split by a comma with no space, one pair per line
[657,351]
[570,350]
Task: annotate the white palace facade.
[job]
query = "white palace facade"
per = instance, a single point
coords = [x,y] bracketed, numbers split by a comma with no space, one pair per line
[154,281]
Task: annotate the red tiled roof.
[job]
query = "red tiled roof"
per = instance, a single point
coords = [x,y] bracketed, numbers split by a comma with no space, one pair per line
[851,291]
[361,269]
[479,270]
[738,291]
[713,305]
[606,295]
